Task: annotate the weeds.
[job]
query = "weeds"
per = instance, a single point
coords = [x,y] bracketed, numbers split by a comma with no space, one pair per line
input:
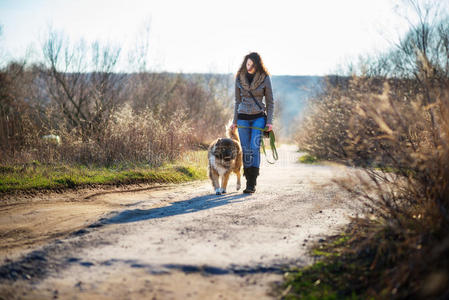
[51,176]
[56,111]
[338,274]
[307,159]
[397,129]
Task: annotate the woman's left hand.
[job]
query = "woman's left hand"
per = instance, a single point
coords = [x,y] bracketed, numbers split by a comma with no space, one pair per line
[270,127]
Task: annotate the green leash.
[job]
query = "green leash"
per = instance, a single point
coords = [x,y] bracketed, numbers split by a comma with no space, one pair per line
[274,152]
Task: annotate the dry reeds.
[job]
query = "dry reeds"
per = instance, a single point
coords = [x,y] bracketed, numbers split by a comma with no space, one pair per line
[397,129]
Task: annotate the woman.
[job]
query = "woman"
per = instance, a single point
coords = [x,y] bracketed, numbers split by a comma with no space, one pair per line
[252,84]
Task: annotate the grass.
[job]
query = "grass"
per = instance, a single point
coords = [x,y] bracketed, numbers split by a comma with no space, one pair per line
[333,276]
[308,159]
[363,262]
[37,176]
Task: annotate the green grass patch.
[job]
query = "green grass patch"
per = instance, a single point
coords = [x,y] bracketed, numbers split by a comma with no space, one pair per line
[332,277]
[318,252]
[372,260]
[40,176]
[308,159]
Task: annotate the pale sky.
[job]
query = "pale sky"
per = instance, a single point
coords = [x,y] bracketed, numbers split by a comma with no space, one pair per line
[297,37]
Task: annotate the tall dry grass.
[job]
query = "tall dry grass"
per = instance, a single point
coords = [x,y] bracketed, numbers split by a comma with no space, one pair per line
[403,145]
[397,128]
[185,115]
[129,137]
[103,116]
[408,193]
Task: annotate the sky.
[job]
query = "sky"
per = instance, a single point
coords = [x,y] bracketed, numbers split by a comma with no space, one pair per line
[296,37]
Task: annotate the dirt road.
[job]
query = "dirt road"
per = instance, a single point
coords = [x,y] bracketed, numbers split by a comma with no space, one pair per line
[176,242]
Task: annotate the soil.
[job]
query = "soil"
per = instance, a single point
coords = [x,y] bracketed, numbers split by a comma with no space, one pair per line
[170,241]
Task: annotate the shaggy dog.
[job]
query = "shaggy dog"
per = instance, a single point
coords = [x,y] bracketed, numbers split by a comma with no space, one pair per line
[225,156]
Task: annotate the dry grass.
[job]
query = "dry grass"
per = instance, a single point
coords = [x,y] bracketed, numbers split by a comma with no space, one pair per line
[128,133]
[403,143]
[129,137]
[397,129]
[104,117]
[153,126]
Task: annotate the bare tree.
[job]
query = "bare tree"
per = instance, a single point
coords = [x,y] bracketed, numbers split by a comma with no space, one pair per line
[81,81]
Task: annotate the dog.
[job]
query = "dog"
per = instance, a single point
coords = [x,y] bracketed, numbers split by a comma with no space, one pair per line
[225,157]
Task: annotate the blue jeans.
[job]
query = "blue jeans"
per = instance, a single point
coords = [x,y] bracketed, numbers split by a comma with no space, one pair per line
[250,140]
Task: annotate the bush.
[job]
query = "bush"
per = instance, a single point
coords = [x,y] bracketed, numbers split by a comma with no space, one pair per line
[129,137]
[103,116]
[404,147]
[397,128]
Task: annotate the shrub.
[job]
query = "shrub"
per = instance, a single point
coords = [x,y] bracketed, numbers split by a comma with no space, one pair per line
[397,128]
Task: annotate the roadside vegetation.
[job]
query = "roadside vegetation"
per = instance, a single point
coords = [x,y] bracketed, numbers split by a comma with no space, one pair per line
[390,117]
[36,176]
[307,159]
[75,118]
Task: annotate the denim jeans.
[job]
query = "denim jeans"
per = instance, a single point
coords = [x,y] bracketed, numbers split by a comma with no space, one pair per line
[250,140]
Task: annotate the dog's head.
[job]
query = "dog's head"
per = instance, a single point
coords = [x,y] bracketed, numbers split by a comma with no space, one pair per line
[225,150]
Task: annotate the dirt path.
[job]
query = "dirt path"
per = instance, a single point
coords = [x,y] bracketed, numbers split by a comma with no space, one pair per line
[177,242]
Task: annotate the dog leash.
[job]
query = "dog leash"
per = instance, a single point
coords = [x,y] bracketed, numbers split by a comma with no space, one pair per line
[274,152]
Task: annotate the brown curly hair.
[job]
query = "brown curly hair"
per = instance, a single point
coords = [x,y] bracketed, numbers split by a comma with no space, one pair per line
[258,62]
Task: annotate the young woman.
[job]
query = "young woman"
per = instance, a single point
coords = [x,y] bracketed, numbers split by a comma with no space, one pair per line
[252,84]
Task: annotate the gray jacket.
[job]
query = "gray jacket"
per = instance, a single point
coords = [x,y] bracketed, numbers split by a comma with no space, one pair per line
[244,104]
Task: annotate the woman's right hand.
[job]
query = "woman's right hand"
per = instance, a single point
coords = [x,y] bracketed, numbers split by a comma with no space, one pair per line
[233,126]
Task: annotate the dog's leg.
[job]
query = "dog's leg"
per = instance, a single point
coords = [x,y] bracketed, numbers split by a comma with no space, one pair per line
[238,179]
[224,181]
[214,177]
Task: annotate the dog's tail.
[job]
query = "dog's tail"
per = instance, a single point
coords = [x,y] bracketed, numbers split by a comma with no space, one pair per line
[232,134]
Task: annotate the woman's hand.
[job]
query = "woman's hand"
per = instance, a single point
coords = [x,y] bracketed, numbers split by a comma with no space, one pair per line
[270,127]
[233,126]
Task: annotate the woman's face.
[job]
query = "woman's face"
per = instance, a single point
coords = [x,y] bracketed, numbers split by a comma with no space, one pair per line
[250,66]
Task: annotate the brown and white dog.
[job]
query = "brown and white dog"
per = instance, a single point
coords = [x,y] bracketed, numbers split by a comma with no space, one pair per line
[225,157]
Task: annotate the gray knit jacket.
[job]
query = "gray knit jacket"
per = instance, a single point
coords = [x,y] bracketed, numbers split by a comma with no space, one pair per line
[260,88]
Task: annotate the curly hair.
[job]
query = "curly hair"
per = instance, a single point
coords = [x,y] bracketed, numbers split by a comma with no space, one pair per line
[258,62]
